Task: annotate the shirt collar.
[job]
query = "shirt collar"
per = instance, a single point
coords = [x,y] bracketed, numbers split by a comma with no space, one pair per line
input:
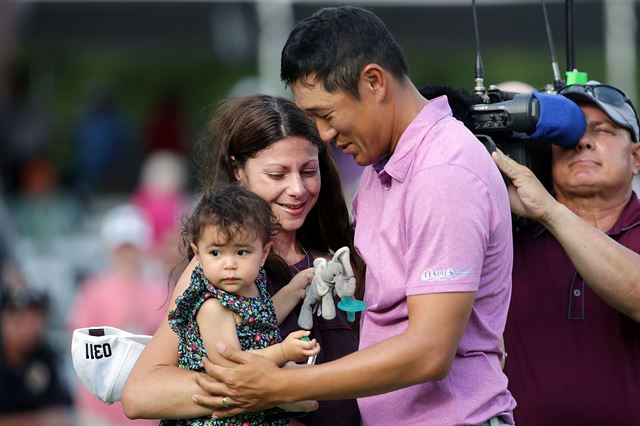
[397,165]
[629,218]
[378,166]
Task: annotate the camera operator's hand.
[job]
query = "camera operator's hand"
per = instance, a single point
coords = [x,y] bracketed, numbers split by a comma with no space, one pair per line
[527,196]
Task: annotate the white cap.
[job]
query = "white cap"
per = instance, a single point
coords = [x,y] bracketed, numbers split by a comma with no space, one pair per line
[103,357]
[126,224]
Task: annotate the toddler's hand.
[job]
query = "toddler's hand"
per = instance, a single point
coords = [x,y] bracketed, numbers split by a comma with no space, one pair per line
[296,349]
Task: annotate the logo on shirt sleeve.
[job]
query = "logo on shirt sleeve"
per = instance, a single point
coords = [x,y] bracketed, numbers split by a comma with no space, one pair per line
[445,274]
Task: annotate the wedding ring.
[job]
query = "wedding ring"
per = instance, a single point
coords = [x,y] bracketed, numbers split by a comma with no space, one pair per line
[224,402]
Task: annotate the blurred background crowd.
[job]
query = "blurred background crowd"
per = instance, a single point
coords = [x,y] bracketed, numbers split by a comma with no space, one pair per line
[102,108]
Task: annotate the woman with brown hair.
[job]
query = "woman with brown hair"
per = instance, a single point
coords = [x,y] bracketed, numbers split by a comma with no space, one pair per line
[273,149]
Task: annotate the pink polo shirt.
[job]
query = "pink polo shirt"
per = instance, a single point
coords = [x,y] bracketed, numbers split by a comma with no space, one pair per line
[435,218]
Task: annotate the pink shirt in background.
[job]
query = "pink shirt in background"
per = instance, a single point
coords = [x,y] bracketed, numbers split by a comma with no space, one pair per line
[137,307]
[435,218]
[163,210]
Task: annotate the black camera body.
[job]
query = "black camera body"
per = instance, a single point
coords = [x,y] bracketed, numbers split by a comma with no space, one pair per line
[505,112]
[504,120]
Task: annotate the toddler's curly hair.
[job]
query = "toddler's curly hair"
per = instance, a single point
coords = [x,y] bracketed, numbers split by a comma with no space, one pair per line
[231,209]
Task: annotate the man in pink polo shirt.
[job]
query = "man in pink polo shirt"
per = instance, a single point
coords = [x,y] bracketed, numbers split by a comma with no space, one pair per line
[433,225]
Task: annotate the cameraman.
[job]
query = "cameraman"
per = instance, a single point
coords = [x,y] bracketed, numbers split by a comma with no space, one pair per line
[572,332]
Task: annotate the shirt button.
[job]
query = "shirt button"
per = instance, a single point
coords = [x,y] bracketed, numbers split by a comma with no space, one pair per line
[577,292]
[387,186]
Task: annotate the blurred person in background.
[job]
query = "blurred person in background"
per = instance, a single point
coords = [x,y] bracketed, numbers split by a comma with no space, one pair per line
[25,126]
[166,129]
[122,297]
[32,391]
[160,195]
[572,331]
[101,141]
[42,210]
[8,235]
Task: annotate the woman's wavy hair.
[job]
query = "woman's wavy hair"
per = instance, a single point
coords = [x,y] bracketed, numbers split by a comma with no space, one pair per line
[241,128]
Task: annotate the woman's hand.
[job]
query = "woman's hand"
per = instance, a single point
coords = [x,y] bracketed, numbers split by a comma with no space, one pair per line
[300,282]
[291,294]
[251,385]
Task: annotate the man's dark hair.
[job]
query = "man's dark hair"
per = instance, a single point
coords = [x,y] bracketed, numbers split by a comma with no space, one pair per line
[335,43]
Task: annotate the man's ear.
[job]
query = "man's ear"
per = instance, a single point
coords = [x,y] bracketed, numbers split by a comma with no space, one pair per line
[195,251]
[265,252]
[373,80]
[635,157]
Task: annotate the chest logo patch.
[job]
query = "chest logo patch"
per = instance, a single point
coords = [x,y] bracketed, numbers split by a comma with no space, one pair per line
[444,274]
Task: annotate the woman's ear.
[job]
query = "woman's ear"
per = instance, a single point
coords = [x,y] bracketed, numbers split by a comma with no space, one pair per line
[265,252]
[238,172]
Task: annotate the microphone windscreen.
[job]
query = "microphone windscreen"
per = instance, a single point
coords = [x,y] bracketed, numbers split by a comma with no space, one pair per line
[561,120]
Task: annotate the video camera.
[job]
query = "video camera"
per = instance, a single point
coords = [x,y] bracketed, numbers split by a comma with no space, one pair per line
[506,121]
[523,125]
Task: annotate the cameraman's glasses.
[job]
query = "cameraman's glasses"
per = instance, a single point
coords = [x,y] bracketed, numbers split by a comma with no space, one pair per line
[602,93]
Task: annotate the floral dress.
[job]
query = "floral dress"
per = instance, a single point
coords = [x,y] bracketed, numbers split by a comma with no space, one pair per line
[257,329]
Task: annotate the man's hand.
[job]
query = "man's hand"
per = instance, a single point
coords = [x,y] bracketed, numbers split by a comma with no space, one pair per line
[251,385]
[527,196]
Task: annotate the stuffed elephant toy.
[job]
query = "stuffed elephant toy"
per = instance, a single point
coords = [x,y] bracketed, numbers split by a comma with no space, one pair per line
[333,277]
